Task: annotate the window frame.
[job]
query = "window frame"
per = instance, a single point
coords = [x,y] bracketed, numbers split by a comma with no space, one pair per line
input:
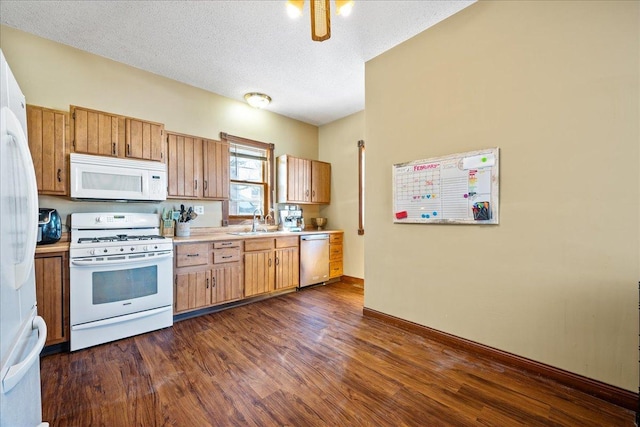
[268,178]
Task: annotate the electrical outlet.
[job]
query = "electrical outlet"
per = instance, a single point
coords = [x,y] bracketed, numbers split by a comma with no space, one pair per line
[199,210]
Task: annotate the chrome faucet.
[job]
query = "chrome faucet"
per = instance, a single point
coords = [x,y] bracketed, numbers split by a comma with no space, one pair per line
[254,223]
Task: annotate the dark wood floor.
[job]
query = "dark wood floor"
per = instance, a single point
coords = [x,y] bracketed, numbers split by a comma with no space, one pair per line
[303,359]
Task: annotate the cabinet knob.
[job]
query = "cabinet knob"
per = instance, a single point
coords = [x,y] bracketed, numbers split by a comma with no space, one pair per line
[207,283]
[214,283]
[59,176]
[113,148]
[196,184]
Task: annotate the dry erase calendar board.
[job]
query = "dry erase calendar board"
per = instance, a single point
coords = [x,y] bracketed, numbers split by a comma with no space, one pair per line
[455,189]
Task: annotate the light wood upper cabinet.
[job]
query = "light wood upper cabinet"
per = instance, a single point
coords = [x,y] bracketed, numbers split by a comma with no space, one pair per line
[107,134]
[216,169]
[197,168]
[303,181]
[184,166]
[97,132]
[145,140]
[47,133]
[320,182]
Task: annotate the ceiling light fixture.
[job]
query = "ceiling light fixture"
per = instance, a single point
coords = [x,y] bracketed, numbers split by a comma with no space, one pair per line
[257,100]
[320,15]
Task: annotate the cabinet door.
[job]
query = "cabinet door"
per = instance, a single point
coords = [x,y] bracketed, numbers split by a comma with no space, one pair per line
[144,140]
[184,166]
[193,290]
[258,273]
[95,132]
[216,169]
[47,133]
[52,295]
[287,268]
[298,180]
[320,182]
[227,283]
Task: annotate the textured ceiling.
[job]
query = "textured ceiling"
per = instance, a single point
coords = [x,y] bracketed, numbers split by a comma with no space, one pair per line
[234,47]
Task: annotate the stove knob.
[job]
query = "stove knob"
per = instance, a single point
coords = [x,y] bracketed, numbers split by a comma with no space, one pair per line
[104,250]
[145,248]
[132,249]
[121,249]
[92,251]
[99,219]
[155,247]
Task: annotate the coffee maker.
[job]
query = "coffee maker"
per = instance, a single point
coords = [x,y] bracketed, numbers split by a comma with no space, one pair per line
[291,218]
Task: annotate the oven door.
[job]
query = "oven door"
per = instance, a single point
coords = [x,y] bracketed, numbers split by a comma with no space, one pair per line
[119,285]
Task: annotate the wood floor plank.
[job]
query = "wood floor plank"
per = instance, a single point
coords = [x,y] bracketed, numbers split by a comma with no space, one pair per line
[302,359]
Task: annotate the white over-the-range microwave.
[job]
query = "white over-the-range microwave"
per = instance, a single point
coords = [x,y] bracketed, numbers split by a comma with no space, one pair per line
[111,178]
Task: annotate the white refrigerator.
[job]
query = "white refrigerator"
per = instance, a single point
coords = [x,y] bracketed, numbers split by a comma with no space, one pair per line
[22,331]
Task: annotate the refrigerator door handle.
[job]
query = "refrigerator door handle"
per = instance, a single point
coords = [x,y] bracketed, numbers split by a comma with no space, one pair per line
[14,131]
[16,372]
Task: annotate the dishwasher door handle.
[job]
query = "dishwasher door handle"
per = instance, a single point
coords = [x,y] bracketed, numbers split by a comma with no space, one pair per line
[315,237]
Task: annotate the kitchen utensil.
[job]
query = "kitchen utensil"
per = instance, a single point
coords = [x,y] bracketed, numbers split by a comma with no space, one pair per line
[320,223]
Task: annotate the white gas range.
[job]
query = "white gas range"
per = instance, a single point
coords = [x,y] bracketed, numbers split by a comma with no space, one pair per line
[120,276]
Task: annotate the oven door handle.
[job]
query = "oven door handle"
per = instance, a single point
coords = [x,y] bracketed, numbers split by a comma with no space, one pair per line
[120,319]
[82,262]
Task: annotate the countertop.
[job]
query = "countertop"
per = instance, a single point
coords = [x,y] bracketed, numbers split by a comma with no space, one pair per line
[218,236]
[63,246]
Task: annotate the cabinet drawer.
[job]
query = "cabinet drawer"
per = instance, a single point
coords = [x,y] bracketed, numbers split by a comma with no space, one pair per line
[335,269]
[287,242]
[335,252]
[227,244]
[335,238]
[258,244]
[192,254]
[226,255]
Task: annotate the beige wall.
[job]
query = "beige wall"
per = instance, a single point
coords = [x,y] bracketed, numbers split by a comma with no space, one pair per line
[339,146]
[556,86]
[56,76]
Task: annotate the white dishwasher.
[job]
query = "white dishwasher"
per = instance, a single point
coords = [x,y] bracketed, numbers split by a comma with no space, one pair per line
[314,259]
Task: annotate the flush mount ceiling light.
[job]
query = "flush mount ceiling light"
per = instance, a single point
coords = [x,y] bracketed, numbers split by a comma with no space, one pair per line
[257,100]
[320,15]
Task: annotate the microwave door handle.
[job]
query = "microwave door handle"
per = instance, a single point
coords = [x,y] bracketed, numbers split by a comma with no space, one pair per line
[91,262]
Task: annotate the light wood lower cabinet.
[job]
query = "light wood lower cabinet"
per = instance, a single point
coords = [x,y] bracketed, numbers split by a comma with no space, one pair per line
[287,263]
[52,294]
[271,264]
[207,274]
[226,275]
[193,290]
[227,283]
[259,266]
[335,255]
